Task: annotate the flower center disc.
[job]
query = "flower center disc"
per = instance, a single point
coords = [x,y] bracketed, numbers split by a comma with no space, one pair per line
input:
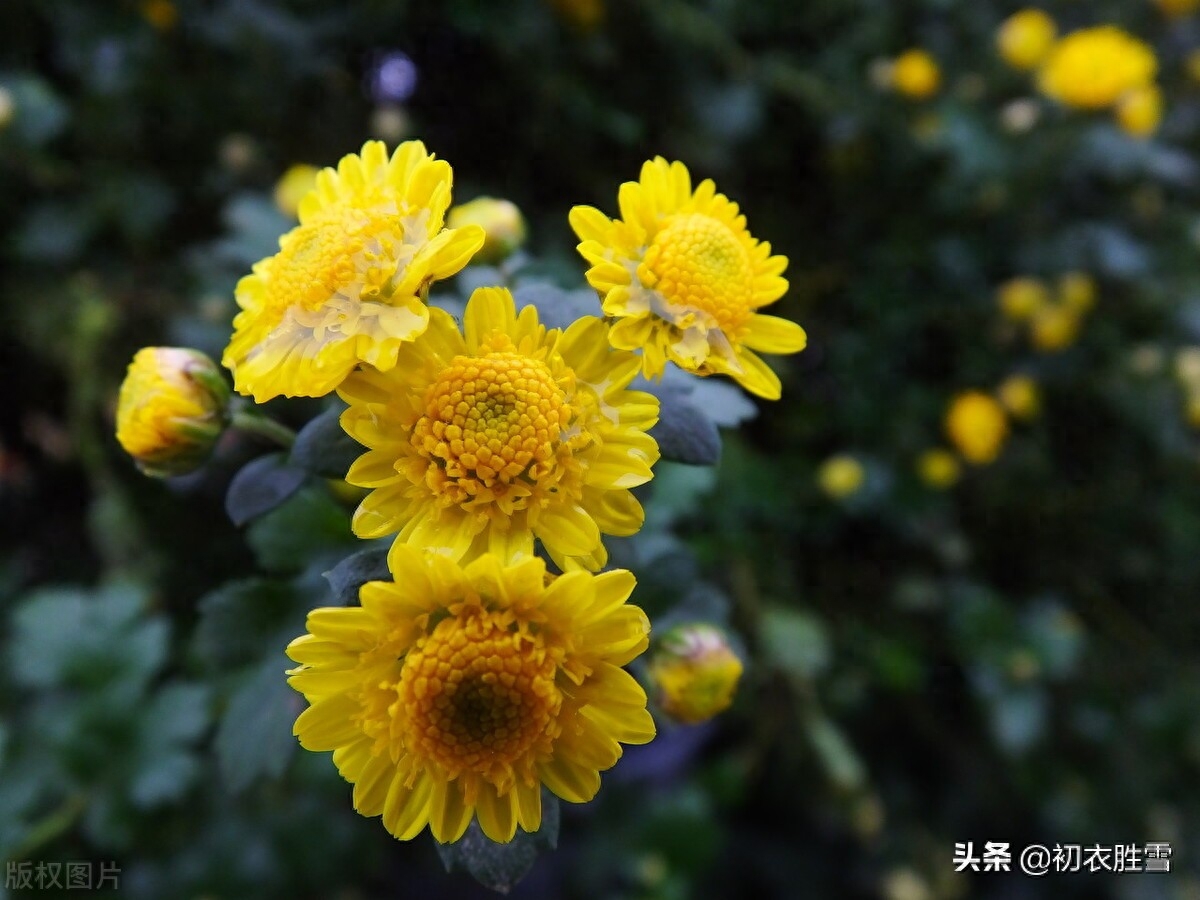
[480,695]
[698,263]
[491,429]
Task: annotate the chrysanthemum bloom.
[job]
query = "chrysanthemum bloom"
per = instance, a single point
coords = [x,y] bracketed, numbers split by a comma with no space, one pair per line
[938,468]
[501,221]
[976,425]
[458,692]
[840,476]
[1077,292]
[348,282]
[484,440]
[915,74]
[1025,38]
[171,409]
[1094,67]
[1054,328]
[684,279]
[1021,298]
[695,672]
[1019,394]
[1140,111]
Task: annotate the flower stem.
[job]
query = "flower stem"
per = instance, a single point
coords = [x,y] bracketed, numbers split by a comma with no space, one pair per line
[251,421]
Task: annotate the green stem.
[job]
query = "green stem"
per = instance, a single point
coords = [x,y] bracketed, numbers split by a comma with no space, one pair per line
[251,421]
[53,825]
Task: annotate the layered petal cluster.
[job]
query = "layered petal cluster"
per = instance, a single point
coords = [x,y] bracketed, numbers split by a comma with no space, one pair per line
[348,283]
[483,440]
[1093,68]
[684,280]
[455,692]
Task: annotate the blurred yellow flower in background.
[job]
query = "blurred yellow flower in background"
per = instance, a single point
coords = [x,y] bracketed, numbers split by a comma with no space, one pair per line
[292,186]
[1094,67]
[939,468]
[977,426]
[583,14]
[1140,111]
[483,441]
[1019,394]
[162,14]
[455,693]
[171,409]
[1022,298]
[1077,292]
[840,476]
[1177,8]
[1054,328]
[347,284]
[915,74]
[684,279]
[695,672]
[502,224]
[1025,38]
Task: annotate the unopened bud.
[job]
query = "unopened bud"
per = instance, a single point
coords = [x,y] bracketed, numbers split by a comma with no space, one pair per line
[296,182]
[500,220]
[695,672]
[841,476]
[171,410]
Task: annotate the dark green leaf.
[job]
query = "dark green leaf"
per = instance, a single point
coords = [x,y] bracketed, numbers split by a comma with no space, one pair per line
[684,433]
[238,617]
[323,448]
[501,866]
[261,486]
[254,739]
[310,526]
[356,570]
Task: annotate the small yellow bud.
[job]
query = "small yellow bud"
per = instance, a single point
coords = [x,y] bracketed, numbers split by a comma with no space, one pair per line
[841,476]
[1140,111]
[296,182]
[1187,366]
[695,672]
[582,14]
[1055,328]
[162,14]
[171,409]
[939,468]
[1020,299]
[915,74]
[976,425]
[1025,38]
[1020,396]
[1077,292]
[1175,9]
[501,222]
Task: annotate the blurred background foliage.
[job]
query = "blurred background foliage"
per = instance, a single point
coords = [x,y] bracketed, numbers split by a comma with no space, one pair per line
[1006,657]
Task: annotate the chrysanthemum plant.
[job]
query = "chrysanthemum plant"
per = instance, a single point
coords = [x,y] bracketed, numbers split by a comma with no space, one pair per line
[497,436]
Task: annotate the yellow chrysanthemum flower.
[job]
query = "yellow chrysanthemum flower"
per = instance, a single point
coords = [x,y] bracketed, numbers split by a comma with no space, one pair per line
[455,692]
[683,278]
[915,74]
[1020,396]
[347,284]
[1020,299]
[1054,328]
[695,672]
[1025,38]
[1094,67]
[293,186]
[841,476]
[939,468]
[481,441]
[1140,111]
[1077,292]
[171,410]
[976,425]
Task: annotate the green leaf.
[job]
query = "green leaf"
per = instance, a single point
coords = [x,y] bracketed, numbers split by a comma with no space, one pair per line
[261,486]
[237,618]
[794,641]
[501,866]
[356,570]
[323,448]
[309,526]
[254,739]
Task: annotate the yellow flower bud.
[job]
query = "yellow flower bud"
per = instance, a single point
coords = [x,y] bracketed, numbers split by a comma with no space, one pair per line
[915,74]
[1021,299]
[695,672]
[1019,394]
[171,409]
[1025,38]
[582,14]
[500,220]
[1055,328]
[1175,9]
[162,14]
[1140,111]
[1077,292]
[1187,367]
[840,476]
[976,425]
[939,468]
[291,188]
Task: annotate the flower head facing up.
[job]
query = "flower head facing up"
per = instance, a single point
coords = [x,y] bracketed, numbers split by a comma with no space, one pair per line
[976,424]
[1094,67]
[347,284]
[171,409]
[457,692]
[915,75]
[684,279]
[1025,38]
[481,441]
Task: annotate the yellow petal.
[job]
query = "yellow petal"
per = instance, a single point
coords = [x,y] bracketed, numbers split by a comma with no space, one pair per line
[771,334]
